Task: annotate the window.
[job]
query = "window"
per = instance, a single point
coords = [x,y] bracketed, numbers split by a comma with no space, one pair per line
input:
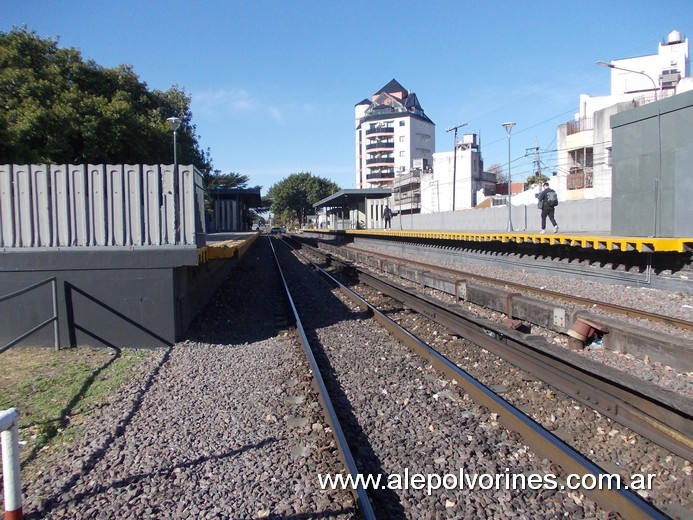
[401,138]
[401,123]
[402,154]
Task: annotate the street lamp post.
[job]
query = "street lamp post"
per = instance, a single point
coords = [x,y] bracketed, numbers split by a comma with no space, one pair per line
[174,123]
[612,66]
[454,160]
[509,128]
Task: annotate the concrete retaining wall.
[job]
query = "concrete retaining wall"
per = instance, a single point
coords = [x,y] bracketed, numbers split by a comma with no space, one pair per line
[586,216]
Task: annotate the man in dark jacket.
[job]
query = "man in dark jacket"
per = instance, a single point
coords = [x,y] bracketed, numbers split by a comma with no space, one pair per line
[387,215]
[548,200]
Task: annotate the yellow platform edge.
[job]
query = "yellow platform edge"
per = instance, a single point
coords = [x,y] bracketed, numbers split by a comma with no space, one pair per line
[597,242]
[225,249]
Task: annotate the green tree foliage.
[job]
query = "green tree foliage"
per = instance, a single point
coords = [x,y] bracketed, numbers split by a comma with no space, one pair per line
[57,108]
[294,196]
[537,178]
[216,180]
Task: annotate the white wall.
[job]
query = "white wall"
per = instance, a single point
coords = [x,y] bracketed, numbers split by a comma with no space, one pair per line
[578,216]
[436,187]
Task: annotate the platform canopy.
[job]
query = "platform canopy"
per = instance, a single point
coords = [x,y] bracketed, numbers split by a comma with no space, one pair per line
[250,197]
[352,197]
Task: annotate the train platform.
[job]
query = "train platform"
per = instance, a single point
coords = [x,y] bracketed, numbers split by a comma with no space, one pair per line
[600,242]
[226,245]
[122,296]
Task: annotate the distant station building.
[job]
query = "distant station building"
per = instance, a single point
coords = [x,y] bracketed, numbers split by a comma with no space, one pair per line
[231,209]
[353,209]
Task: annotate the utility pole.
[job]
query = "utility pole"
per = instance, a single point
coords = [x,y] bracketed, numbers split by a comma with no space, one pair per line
[537,161]
[454,159]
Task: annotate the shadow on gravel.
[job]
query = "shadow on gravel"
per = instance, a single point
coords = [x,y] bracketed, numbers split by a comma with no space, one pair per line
[248,306]
[54,500]
[167,471]
[245,308]
[315,298]
[51,428]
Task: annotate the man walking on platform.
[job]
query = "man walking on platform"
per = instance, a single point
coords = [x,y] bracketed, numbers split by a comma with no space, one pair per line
[548,200]
[387,215]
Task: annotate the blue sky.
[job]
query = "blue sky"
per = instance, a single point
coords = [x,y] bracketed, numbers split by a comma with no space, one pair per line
[274,83]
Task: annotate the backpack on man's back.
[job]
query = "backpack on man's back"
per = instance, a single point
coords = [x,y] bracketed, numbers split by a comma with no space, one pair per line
[551,198]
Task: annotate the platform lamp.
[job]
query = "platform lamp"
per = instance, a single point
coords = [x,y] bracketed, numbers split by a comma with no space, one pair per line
[174,123]
[509,128]
[612,66]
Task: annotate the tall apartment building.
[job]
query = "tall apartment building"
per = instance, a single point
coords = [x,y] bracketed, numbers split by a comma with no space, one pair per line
[584,144]
[392,133]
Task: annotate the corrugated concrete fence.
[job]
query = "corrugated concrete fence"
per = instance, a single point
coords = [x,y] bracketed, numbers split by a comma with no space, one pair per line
[46,205]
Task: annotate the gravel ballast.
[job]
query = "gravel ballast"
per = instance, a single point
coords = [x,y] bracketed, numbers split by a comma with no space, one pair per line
[226,424]
[223,425]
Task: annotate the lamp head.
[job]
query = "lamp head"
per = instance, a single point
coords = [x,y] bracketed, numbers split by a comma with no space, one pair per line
[508,126]
[173,122]
[605,64]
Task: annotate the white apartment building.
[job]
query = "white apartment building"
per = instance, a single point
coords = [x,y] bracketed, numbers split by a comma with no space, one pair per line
[392,132]
[584,144]
[463,176]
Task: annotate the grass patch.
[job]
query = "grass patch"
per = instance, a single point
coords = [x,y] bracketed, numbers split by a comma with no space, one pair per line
[53,391]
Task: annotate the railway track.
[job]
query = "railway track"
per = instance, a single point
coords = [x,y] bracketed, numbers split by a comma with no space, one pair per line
[647,270]
[577,300]
[626,503]
[664,418]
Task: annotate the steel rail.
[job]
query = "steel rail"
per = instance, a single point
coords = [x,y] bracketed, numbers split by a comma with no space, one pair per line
[665,424]
[611,307]
[328,408]
[622,501]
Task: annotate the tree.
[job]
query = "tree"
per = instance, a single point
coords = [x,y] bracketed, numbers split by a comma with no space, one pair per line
[57,108]
[497,170]
[537,178]
[293,197]
[216,180]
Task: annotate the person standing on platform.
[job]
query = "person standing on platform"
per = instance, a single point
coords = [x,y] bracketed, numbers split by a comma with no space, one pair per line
[548,200]
[387,215]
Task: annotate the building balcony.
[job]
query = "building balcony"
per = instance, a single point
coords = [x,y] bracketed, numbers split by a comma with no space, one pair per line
[579,178]
[408,197]
[385,130]
[581,125]
[413,176]
[408,186]
[383,146]
[380,176]
[380,161]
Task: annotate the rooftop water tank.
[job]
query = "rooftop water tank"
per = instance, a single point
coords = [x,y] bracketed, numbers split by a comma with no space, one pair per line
[674,37]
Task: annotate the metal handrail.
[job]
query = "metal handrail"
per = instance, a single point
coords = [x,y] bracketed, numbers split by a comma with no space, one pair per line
[53,319]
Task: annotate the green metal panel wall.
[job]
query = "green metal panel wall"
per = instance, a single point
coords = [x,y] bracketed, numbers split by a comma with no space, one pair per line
[652,169]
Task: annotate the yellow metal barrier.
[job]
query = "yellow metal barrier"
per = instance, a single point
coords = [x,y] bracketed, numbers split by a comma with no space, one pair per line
[597,242]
